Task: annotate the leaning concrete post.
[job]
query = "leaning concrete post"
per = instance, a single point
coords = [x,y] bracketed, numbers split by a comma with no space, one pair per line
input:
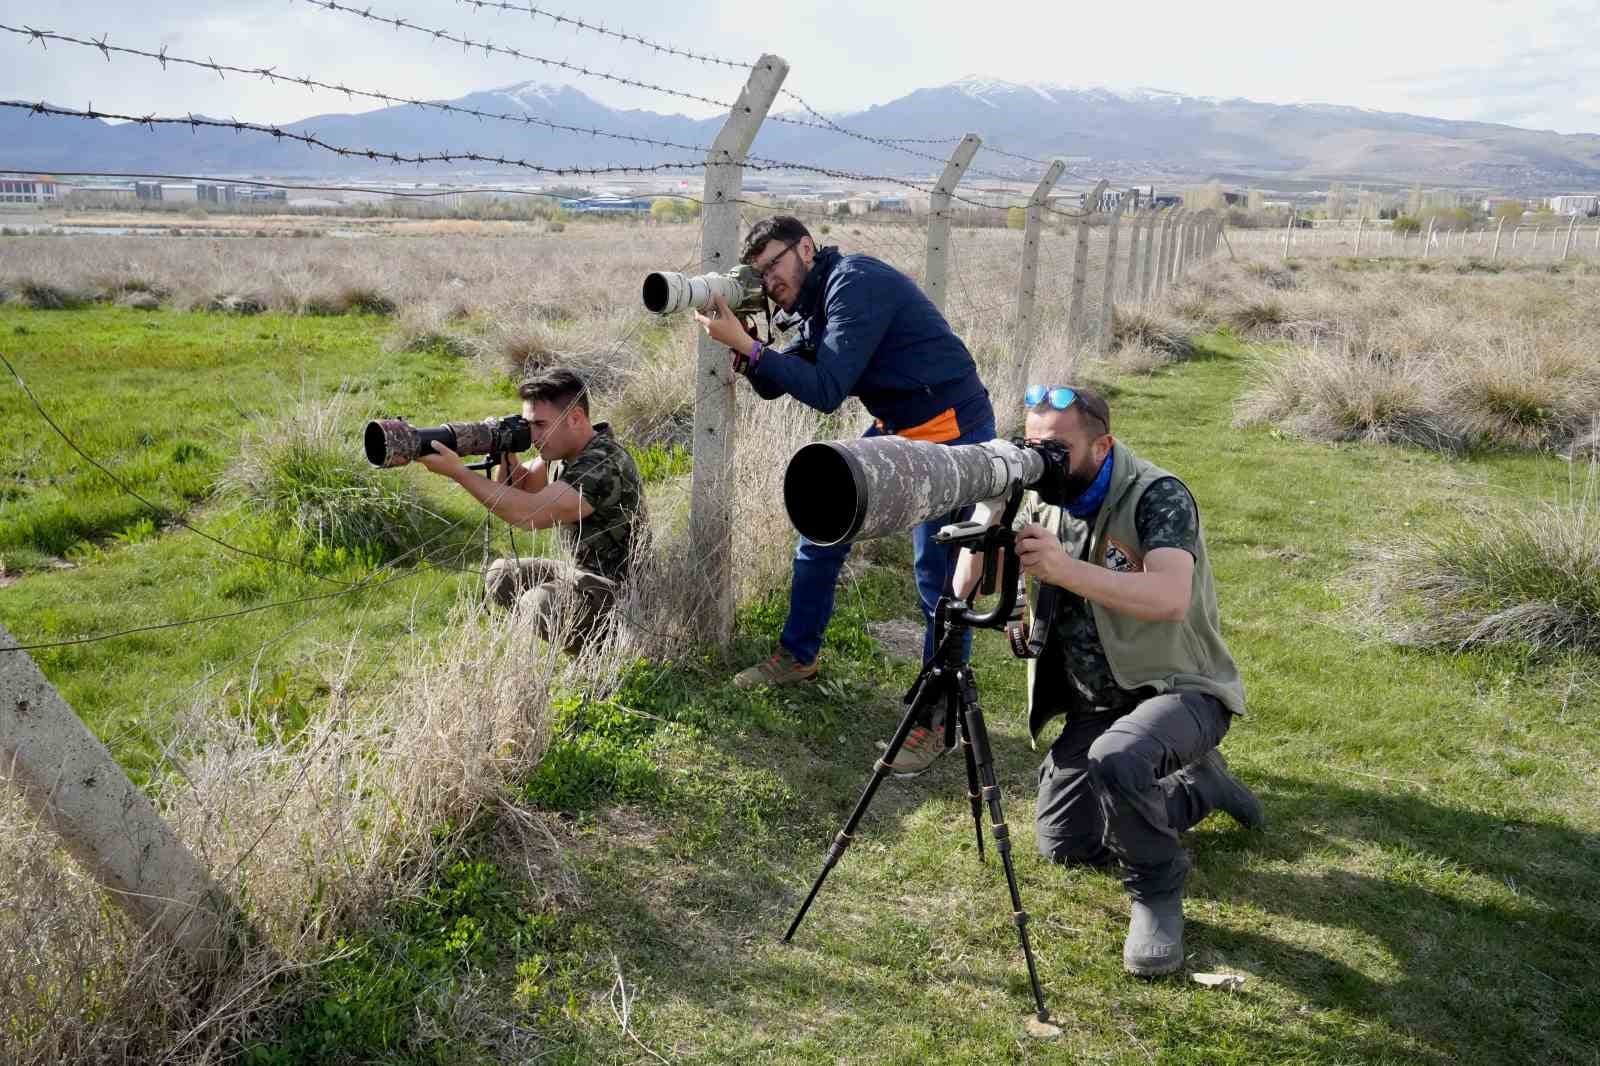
[715,412]
[1515,231]
[936,274]
[1567,247]
[1028,280]
[1076,330]
[1288,235]
[1362,221]
[1108,289]
[1427,242]
[72,784]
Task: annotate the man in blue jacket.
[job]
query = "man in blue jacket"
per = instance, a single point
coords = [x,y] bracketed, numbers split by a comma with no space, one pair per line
[865,330]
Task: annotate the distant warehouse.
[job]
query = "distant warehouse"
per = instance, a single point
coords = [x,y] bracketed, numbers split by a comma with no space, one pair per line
[21,189]
[608,205]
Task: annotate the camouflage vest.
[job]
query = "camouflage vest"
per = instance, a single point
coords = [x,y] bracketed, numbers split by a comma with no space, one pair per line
[1166,656]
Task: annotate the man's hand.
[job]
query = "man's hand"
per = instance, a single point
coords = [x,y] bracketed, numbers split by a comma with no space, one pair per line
[1042,556]
[443,461]
[724,327]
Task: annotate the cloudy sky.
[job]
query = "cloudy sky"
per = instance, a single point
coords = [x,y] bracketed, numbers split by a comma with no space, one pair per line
[1529,64]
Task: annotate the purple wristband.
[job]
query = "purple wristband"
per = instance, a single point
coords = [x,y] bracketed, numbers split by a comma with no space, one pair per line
[756,348]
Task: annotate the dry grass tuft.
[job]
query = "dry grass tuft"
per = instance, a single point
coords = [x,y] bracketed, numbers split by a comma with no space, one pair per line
[1523,577]
[1152,332]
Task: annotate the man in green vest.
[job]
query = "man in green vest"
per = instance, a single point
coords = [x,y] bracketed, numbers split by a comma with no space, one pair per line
[1133,660]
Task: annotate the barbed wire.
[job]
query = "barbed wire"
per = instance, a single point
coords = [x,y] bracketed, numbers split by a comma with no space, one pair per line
[372,154]
[755,163]
[600,28]
[270,74]
[489,48]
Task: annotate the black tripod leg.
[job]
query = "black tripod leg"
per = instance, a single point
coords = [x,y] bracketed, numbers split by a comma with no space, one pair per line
[929,685]
[973,795]
[983,757]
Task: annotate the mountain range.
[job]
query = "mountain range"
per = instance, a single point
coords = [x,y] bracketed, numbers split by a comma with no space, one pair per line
[1131,135]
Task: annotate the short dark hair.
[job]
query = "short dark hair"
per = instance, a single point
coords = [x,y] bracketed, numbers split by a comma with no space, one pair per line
[1092,405]
[558,386]
[785,229]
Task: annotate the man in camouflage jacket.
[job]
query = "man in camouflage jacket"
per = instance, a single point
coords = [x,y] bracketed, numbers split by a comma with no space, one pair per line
[1133,660]
[585,485]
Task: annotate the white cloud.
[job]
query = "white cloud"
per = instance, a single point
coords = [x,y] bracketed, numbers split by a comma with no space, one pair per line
[1525,63]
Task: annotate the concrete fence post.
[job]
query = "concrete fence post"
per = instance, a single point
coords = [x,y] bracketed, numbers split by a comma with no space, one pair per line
[1028,280]
[1158,222]
[1516,231]
[1080,268]
[715,411]
[1180,220]
[1130,286]
[935,278]
[1288,235]
[1567,247]
[1362,221]
[1108,291]
[71,783]
[1427,242]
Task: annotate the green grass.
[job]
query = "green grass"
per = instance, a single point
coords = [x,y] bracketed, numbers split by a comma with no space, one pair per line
[1425,891]
[165,401]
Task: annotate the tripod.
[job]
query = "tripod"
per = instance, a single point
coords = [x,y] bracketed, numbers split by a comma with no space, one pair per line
[948,682]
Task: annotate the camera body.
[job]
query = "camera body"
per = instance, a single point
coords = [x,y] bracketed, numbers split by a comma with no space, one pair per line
[667,292]
[395,442]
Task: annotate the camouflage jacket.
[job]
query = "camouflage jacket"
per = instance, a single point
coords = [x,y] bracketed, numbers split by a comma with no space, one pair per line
[603,473]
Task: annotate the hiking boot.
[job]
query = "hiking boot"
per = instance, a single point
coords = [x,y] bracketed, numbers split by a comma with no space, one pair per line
[780,669]
[1155,936]
[923,746]
[1209,776]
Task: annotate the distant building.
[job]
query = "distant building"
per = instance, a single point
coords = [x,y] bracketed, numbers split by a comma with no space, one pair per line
[181,194]
[1580,204]
[609,205]
[100,195]
[21,189]
[147,190]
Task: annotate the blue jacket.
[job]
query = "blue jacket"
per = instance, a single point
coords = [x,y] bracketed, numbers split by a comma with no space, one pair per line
[866,330]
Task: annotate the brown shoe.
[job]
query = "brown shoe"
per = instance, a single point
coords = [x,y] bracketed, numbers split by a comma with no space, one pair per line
[922,748]
[780,669]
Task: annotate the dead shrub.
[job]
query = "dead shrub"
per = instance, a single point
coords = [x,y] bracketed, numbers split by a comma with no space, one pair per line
[39,295]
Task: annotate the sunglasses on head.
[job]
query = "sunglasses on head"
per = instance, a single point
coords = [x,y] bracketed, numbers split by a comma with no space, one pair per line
[1060,396]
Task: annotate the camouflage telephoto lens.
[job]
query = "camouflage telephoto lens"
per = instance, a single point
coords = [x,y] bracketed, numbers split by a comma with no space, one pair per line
[843,490]
[395,442]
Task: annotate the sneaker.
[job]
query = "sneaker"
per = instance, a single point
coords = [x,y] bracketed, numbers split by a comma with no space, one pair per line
[1209,776]
[921,750]
[780,669]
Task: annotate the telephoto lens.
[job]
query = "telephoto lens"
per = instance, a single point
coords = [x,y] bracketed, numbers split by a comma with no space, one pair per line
[395,442]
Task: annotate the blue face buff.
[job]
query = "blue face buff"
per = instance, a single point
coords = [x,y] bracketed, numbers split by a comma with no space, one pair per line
[1090,499]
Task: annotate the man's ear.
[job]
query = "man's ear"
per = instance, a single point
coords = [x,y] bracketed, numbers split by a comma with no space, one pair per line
[1102,447]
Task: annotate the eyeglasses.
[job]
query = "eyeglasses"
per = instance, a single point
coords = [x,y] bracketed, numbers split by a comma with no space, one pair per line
[763,272]
[1060,396]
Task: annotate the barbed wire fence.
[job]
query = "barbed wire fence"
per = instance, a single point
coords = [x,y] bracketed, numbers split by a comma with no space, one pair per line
[1018,275]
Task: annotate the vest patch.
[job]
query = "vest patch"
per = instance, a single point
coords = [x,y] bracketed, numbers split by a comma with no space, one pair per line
[1122,558]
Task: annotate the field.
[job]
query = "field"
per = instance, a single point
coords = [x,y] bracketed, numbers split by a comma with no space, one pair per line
[459,849]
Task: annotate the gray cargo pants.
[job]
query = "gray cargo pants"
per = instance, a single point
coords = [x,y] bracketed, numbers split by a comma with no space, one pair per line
[1112,788]
[568,605]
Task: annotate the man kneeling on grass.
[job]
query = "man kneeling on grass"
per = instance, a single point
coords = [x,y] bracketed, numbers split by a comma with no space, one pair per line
[1134,661]
[584,484]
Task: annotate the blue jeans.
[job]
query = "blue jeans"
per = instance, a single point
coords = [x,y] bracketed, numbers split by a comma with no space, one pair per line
[816,573]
